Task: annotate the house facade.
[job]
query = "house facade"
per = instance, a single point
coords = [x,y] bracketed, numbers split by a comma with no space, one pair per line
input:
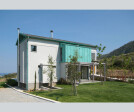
[33,57]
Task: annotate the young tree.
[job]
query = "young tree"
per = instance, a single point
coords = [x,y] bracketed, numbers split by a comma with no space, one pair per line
[125,65]
[131,67]
[105,68]
[35,82]
[100,49]
[50,70]
[112,65]
[72,71]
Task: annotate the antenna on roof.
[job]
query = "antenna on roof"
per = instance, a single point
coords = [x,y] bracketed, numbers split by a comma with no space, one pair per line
[51,31]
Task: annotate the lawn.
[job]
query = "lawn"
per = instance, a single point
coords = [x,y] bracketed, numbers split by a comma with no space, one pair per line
[93,92]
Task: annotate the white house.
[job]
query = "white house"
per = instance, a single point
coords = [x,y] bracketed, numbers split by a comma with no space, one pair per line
[33,52]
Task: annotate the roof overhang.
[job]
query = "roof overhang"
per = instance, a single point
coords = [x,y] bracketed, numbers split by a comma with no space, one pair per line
[23,36]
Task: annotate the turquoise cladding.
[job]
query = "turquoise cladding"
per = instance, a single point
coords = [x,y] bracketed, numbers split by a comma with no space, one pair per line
[84,52]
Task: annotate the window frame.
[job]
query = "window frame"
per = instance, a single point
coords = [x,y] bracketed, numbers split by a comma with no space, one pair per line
[35,49]
[93,53]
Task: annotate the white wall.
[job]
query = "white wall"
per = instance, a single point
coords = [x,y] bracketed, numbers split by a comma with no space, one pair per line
[94,51]
[23,61]
[63,70]
[44,49]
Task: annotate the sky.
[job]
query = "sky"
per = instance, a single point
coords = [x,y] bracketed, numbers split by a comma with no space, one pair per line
[111,28]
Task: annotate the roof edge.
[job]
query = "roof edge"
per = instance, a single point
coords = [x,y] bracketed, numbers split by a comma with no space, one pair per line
[24,36]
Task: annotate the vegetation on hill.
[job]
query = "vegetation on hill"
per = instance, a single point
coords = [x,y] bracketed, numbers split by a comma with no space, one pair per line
[127,48]
[121,66]
[118,61]
[10,75]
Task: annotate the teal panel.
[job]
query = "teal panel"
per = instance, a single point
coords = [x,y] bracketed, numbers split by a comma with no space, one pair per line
[84,53]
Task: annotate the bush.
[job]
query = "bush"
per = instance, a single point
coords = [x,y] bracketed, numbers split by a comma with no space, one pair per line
[62,81]
[117,63]
[131,81]
[12,82]
[10,75]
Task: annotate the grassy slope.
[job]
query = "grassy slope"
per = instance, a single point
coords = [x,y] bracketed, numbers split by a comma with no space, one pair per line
[109,92]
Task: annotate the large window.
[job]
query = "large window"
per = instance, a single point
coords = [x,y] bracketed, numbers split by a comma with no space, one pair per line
[93,56]
[33,48]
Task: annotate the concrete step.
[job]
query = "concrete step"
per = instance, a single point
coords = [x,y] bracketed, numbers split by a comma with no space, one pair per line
[84,80]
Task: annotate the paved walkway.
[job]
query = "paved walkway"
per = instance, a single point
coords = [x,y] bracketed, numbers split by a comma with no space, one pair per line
[10,95]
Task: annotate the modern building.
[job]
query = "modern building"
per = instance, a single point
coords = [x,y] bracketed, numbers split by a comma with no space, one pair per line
[33,52]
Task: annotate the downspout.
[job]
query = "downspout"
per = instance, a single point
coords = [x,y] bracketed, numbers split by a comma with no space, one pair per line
[27,65]
[18,64]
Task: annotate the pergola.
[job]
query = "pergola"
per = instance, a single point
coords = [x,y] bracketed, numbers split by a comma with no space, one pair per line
[93,64]
[89,65]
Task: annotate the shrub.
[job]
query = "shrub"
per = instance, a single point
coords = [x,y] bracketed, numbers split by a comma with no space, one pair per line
[12,82]
[131,81]
[62,81]
[117,63]
[10,75]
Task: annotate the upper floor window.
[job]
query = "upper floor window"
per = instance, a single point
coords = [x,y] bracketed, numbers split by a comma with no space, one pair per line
[33,48]
[93,56]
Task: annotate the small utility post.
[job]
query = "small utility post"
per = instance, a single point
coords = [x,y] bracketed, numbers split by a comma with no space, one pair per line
[18,66]
[51,33]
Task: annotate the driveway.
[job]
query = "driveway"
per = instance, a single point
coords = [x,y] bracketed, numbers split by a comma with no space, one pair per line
[10,95]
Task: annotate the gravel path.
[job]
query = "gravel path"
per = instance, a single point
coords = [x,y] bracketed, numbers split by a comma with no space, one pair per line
[10,95]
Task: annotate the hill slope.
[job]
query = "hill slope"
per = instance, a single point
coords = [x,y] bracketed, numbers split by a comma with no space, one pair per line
[127,48]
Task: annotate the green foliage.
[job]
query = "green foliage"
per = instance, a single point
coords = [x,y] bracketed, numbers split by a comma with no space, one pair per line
[123,61]
[99,54]
[62,81]
[3,85]
[12,82]
[131,81]
[10,75]
[117,63]
[131,66]
[100,50]
[50,70]
[72,71]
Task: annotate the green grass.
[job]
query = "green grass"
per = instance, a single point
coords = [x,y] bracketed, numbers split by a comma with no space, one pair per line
[95,92]
[3,85]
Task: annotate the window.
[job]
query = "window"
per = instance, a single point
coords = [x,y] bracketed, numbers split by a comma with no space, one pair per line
[93,56]
[33,48]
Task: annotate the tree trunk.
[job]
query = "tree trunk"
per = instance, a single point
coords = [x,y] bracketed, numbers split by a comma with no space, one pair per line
[75,90]
[35,82]
[51,80]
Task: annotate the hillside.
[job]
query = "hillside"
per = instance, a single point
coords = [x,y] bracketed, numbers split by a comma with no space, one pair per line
[118,61]
[127,48]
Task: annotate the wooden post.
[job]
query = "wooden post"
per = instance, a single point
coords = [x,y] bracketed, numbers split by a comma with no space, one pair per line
[88,73]
[79,71]
[104,72]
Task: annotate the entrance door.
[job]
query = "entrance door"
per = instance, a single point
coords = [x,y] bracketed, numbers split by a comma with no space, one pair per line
[84,72]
